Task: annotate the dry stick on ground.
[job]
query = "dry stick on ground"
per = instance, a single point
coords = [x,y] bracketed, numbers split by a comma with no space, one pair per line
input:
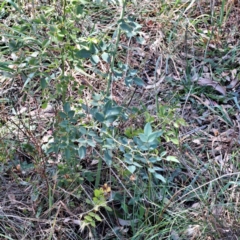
[188,95]
[131,97]
[169,203]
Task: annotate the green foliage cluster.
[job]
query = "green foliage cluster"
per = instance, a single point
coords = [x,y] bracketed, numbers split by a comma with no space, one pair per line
[98,201]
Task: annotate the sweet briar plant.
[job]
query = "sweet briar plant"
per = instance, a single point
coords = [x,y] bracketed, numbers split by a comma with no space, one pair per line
[71,139]
[141,154]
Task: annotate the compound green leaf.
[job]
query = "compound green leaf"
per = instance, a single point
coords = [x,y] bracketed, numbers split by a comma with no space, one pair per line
[115,111]
[160,177]
[95,59]
[83,53]
[43,83]
[143,137]
[99,116]
[66,107]
[105,57]
[108,157]
[132,168]
[172,159]
[138,81]
[153,136]
[82,152]
[125,26]
[148,129]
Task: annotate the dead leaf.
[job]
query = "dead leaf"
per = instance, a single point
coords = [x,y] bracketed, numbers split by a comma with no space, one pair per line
[149,23]
[155,85]
[225,137]
[193,231]
[197,141]
[77,222]
[132,177]
[66,220]
[222,139]
[12,198]
[46,138]
[123,222]
[48,109]
[233,73]
[233,83]
[94,162]
[205,69]
[208,82]
[196,205]
[106,189]
[225,74]
[18,167]
[209,102]
[215,132]
[175,235]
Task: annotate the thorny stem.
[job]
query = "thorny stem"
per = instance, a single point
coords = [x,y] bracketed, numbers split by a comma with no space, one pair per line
[110,76]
